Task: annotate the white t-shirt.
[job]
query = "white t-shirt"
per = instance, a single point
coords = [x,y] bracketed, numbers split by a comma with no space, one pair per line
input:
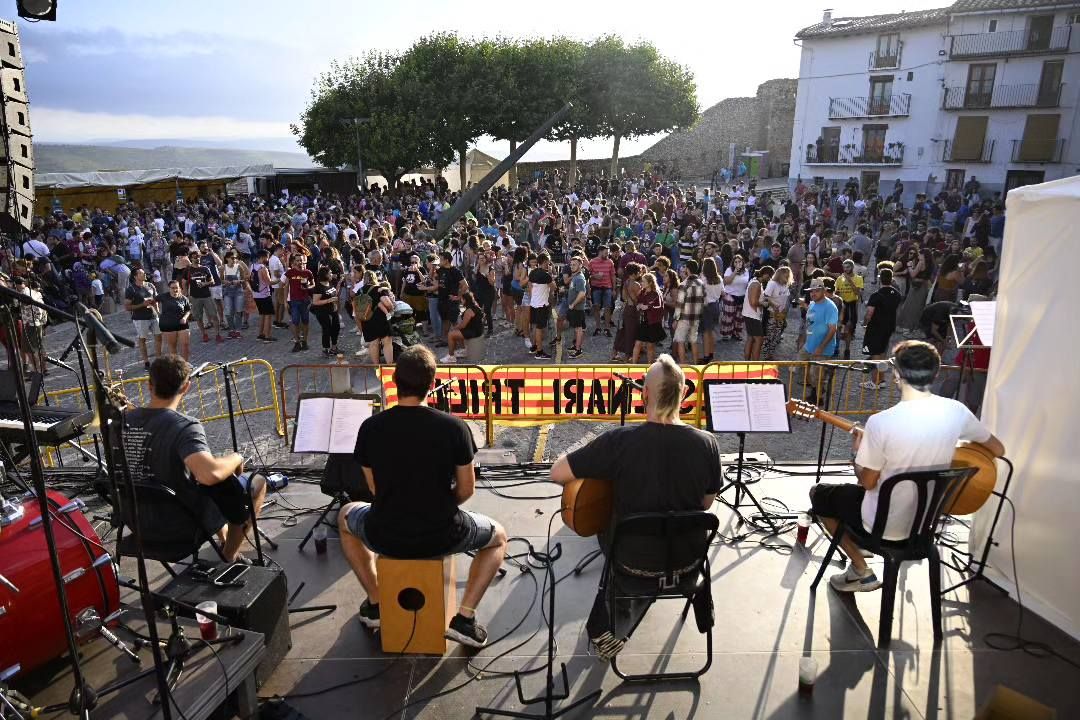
[748,310]
[912,435]
[737,288]
[277,271]
[778,295]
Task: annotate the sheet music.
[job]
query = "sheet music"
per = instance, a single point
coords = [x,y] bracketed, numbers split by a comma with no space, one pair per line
[729,408]
[984,313]
[767,407]
[313,419]
[348,416]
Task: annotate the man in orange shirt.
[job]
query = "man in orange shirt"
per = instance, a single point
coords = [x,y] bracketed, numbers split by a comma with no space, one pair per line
[602,279]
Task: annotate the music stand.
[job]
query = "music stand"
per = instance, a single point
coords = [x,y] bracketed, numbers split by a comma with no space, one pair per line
[739,406]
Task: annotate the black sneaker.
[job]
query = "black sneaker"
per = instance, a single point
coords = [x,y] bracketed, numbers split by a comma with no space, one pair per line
[596,332]
[303,345]
[607,332]
[541,355]
[297,347]
[462,630]
[368,615]
[576,353]
[283,326]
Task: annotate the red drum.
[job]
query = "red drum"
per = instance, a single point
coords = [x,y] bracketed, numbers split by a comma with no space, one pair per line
[31,629]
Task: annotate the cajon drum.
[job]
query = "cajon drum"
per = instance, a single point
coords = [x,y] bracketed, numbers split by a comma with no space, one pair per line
[406,584]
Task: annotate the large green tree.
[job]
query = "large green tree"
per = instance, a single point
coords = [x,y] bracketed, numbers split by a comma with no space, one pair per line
[394,138]
[634,90]
[567,57]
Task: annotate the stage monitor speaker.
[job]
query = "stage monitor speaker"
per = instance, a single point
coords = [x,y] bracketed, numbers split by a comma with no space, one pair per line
[17,194]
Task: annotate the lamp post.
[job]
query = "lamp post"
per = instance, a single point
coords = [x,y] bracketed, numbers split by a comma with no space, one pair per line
[361,177]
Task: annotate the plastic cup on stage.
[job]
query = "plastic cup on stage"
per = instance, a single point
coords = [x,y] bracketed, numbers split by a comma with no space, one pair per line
[319,536]
[803,527]
[207,625]
[807,675]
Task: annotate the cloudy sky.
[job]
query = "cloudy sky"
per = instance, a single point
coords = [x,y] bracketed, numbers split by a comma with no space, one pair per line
[241,70]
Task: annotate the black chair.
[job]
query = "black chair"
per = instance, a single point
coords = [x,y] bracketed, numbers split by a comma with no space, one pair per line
[662,556]
[160,501]
[934,489]
[343,480]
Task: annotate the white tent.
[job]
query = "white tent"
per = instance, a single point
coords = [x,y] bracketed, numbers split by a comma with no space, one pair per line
[127,178]
[1029,405]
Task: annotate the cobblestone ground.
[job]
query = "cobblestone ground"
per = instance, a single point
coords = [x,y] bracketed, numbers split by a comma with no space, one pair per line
[503,348]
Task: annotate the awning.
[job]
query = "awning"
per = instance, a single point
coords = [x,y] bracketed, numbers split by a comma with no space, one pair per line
[128,178]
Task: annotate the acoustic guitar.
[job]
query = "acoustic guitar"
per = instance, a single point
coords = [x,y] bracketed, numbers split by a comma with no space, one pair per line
[968,454]
[587,505]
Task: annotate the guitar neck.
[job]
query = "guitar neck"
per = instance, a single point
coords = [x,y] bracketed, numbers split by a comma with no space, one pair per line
[837,421]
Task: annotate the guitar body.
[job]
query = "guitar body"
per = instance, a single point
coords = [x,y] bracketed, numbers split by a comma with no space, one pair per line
[587,505]
[981,485]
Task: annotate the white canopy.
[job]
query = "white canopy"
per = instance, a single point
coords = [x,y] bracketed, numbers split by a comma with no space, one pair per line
[1029,405]
[128,178]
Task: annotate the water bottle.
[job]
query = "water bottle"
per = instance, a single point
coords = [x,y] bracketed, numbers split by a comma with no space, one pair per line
[340,380]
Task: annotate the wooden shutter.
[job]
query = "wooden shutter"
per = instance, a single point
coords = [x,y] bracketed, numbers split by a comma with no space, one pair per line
[970,137]
[1040,137]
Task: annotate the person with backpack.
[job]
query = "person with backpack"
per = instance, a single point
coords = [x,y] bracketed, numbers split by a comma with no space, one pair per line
[262,291]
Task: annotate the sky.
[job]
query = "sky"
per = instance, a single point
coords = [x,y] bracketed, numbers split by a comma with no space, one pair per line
[241,71]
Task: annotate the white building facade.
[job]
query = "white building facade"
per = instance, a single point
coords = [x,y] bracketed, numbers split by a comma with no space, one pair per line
[984,88]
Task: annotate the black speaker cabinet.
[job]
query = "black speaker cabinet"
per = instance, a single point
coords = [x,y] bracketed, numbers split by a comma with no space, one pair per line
[260,605]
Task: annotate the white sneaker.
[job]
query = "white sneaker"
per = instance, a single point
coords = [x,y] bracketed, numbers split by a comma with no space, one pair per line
[528,343]
[447,359]
[852,581]
[460,352]
[871,385]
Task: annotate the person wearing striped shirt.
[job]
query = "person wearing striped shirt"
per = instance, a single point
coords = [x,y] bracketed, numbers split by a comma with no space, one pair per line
[689,307]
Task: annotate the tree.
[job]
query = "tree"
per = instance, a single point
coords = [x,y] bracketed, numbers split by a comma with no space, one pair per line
[395,139]
[634,91]
[568,58]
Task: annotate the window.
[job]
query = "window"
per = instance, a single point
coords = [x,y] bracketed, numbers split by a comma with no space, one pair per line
[880,95]
[980,85]
[874,143]
[1050,83]
[954,179]
[969,138]
[1040,139]
[991,26]
[888,51]
[828,145]
[1040,27]
[1072,18]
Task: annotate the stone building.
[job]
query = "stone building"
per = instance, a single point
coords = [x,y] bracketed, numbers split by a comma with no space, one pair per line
[760,123]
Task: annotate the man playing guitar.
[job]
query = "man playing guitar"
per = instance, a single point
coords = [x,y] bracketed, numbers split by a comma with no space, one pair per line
[176,455]
[660,465]
[918,433]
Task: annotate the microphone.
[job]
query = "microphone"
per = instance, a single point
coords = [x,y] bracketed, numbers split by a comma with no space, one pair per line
[59,364]
[444,385]
[200,371]
[640,385]
[111,342]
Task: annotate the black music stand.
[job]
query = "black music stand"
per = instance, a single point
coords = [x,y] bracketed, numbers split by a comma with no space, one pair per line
[751,411]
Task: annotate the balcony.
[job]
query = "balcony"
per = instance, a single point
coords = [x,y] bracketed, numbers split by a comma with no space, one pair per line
[868,107]
[891,154]
[1038,150]
[952,154]
[886,61]
[1006,44]
[1003,97]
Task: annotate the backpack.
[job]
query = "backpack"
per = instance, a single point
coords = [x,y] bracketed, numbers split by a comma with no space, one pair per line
[253,280]
[363,306]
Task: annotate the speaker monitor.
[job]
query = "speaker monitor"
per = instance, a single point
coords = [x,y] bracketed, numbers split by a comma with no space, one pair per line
[18,150]
[13,84]
[10,50]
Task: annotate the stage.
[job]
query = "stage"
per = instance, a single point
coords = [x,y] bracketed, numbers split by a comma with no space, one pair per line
[766,620]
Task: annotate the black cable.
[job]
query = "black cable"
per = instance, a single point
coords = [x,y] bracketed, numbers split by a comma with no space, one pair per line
[1016,641]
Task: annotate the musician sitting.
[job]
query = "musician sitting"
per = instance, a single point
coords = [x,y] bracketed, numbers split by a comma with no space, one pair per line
[661,465]
[415,513]
[918,433]
[178,457]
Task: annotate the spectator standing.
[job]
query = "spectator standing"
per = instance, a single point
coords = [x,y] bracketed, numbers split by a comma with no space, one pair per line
[141,301]
[602,280]
[173,321]
[690,306]
[300,281]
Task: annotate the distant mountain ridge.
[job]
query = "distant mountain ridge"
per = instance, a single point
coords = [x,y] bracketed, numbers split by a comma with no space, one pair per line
[50,158]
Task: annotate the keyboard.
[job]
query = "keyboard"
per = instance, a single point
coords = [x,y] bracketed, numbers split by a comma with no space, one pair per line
[53,426]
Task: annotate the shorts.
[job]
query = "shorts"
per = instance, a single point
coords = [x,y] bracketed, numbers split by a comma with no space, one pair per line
[754,327]
[849,318]
[265,306]
[215,292]
[33,337]
[710,319]
[172,328]
[449,311]
[518,295]
[603,298]
[231,498]
[479,530]
[576,318]
[203,307]
[299,311]
[144,329]
[539,316]
[686,331]
[842,501]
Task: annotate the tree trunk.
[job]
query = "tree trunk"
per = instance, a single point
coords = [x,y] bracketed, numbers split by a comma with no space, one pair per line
[512,175]
[615,158]
[463,174]
[572,178]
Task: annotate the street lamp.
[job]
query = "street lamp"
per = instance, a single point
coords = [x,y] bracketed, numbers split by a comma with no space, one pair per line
[361,177]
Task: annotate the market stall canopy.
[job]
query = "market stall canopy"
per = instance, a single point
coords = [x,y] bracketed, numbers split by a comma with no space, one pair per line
[128,178]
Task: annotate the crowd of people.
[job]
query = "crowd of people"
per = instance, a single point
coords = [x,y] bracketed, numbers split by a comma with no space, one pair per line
[657,265]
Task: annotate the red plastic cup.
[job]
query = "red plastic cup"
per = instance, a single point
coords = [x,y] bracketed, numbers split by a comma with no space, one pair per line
[207,625]
[803,527]
[320,540]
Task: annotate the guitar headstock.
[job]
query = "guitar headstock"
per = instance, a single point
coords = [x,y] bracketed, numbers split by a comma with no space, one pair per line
[802,409]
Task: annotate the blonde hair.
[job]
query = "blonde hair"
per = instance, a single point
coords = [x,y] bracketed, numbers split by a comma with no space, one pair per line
[666,381]
[649,281]
[785,272]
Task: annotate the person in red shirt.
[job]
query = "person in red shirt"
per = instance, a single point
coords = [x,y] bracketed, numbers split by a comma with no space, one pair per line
[300,282]
[602,279]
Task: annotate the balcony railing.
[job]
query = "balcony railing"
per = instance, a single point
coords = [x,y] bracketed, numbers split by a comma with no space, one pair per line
[952,153]
[1038,150]
[890,154]
[1035,95]
[886,61]
[865,107]
[1016,42]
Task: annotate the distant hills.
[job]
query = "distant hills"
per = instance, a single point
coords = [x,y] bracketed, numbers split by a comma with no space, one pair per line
[51,157]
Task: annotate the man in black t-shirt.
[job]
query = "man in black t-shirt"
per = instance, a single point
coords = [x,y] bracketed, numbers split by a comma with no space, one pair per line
[416,511]
[166,447]
[542,289]
[660,465]
[452,286]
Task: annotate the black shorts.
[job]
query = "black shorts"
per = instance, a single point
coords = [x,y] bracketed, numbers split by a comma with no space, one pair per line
[576,318]
[539,316]
[449,311]
[850,316]
[842,501]
[231,499]
[265,305]
[754,327]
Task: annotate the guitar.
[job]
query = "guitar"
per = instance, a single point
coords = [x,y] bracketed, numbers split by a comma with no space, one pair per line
[586,505]
[975,492]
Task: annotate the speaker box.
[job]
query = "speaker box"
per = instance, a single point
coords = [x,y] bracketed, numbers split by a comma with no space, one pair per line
[10,49]
[260,605]
[16,147]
